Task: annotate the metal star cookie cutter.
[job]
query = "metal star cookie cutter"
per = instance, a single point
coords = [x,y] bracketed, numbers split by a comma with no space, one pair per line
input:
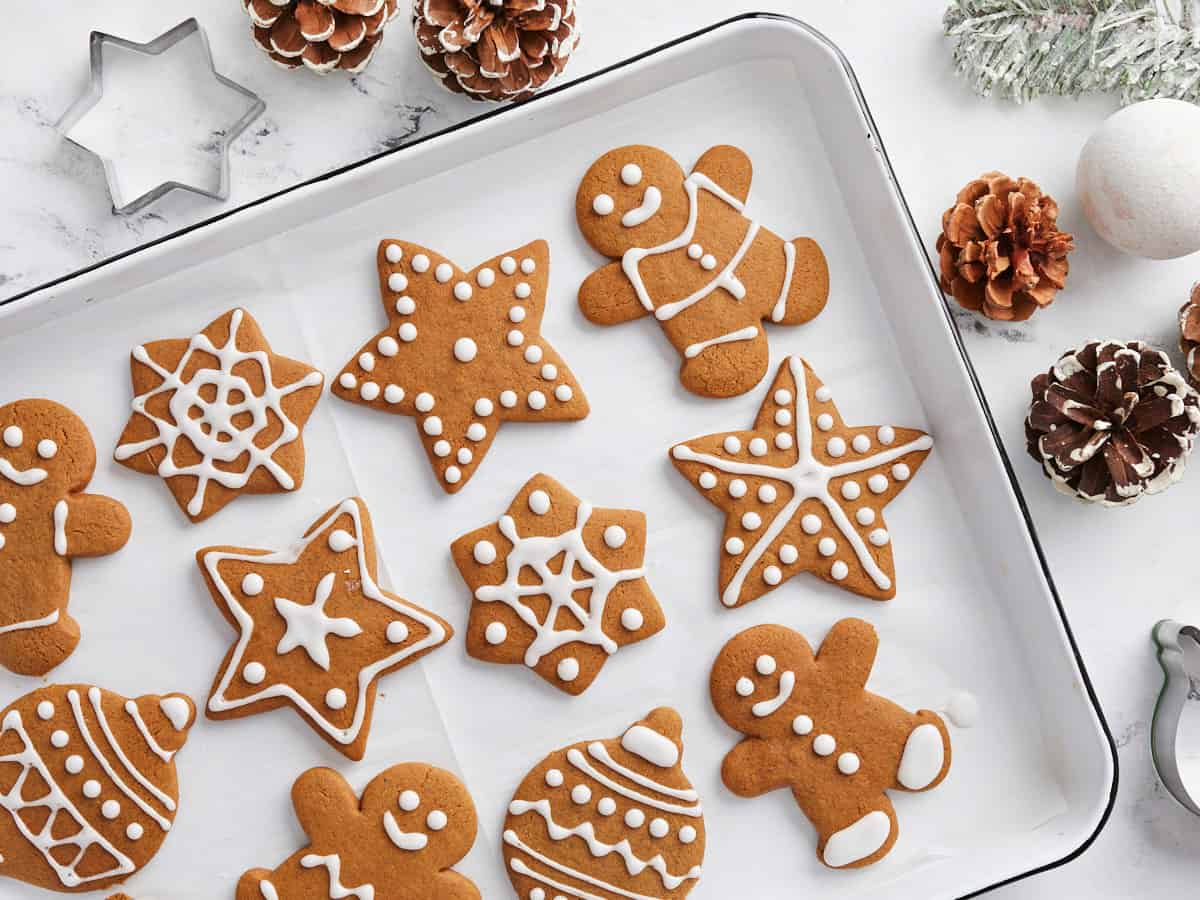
[77,126]
[1179,696]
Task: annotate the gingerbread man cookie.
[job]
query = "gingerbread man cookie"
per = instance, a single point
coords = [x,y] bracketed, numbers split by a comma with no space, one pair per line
[557,584]
[219,415]
[413,823]
[803,492]
[686,252]
[463,352]
[315,629]
[47,459]
[811,726]
[87,779]
[614,818]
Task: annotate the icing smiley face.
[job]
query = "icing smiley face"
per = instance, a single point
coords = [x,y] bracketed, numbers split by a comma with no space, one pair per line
[623,204]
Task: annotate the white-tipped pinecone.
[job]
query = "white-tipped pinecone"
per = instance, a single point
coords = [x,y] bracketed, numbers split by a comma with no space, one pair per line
[321,35]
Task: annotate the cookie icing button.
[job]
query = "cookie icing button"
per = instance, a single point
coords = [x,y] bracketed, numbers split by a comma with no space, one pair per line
[603,205]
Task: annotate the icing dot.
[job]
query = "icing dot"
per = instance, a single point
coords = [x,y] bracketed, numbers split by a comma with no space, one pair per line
[394,253]
[408,332]
[802,724]
[839,570]
[74,764]
[484,553]
[865,516]
[539,502]
[659,828]
[851,490]
[522,291]
[254,672]
[602,205]
[13,436]
[886,434]
[45,710]
[340,540]
[757,447]
[783,397]
[568,668]
[476,432]
[877,483]
[515,338]
[836,447]
[823,394]
[632,619]
[744,687]
[826,546]
[614,536]
[393,393]
[409,800]
[444,272]
[765,665]
[8,513]
[563,393]
[734,546]
[607,806]
[825,421]
[767,493]
[424,402]
[335,698]
[687,834]
[528,266]
[465,349]
[824,744]
[549,372]
[134,831]
[348,381]
[387,346]
[635,818]
[442,449]
[536,400]
[60,739]
[901,472]
[732,444]
[783,418]
[483,407]
[737,488]
[462,291]
[369,391]
[453,475]
[46,448]
[707,480]
[91,789]
[783,441]
[485,277]
[631,174]
[554,778]
[508,399]
[508,265]
[695,251]
[495,633]
[517,315]
[810,523]
[861,443]
[848,763]
[420,263]
[708,261]
[432,426]
[406,306]
[533,354]
[436,820]
[788,554]
[751,521]
[772,575]
[878,537]
[110,809]
[581,794]
[397,632]
[397,282]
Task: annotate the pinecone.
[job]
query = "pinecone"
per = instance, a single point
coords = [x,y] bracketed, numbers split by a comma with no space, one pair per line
[1111,422]
[321,34]
[1189,334]
[1000,248]
[495,49]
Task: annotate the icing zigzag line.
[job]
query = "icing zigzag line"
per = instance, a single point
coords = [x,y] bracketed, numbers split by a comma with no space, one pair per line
[521,868]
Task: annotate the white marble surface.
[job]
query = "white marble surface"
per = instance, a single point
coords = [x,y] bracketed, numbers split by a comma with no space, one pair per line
[1118,571]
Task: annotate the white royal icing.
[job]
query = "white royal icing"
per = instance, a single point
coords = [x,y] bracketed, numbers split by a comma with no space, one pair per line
[61,510]
[333,865]
[134,713]
[44,622]
[639,215]
[924,755]
[23,477]
[749,333]
[651,746]
[764,708]
[404,840]
[857,841]
[307,625]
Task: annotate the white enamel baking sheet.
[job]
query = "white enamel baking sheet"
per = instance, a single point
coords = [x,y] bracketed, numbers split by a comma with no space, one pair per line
[1031,780]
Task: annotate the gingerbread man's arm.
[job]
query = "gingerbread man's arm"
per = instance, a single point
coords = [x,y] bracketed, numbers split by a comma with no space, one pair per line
[607,297]
[729,167]
[451,885]
[323,800]
[849,651]
[755,766]
[92,524]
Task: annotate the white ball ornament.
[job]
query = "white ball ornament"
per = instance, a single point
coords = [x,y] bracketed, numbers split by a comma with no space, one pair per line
[1138,179]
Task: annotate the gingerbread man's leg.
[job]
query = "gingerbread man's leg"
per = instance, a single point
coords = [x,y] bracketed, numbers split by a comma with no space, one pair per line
[450,885]
[808,290]
[36,648]
[925,761]
[854,827]
[250,885]
[725,365]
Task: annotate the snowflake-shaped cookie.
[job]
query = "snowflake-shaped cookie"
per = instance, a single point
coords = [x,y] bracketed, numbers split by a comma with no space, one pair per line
[219,415]
[803,492]
[558,585]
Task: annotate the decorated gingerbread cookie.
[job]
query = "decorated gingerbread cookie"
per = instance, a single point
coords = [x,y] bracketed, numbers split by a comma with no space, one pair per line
[218,414]
[462,353]
[315,630]
[614,818]
[802,491]
[812,727]
[557,584]
[413,823]
[88,789]
[46,460]
[687,253]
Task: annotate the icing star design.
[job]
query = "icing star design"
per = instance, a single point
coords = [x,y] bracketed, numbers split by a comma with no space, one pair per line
[351,634]
[462,353]
[802,491]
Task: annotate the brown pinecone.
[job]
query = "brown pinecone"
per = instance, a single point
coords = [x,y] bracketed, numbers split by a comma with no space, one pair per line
[1000,248]
[1111,422]
[495,49]
[322,35]
[1189,334]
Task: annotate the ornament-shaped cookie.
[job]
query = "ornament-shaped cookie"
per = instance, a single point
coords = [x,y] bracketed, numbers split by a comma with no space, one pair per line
[413,823]
[315,629]
[218,415]
[47,459]
[614,818]
[803,492]
[463,352]
[557,584]
[687,253]
[88,789]
[812,727]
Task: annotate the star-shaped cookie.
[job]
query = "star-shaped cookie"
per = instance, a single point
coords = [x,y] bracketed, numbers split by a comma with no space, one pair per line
[462,352]
[218,415]
[315,630]
[803,492]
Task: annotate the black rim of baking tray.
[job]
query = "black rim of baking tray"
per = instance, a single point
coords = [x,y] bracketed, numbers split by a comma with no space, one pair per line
[962,351]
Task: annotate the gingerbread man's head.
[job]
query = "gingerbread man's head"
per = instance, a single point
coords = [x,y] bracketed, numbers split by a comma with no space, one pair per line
[44,444]
[632,197]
